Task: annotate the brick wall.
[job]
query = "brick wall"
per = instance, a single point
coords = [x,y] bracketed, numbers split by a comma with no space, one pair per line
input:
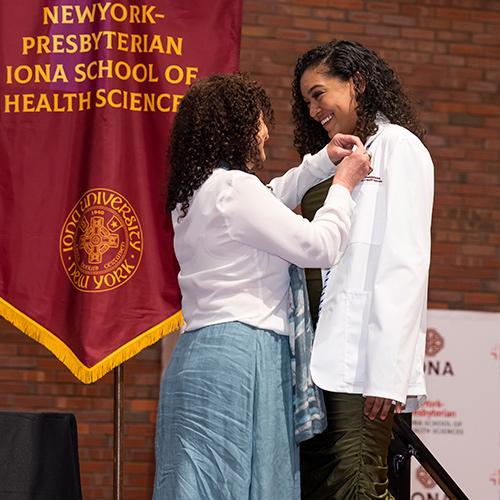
[448,55]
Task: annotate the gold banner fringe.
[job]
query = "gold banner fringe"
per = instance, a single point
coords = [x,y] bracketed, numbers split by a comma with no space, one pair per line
[62,352]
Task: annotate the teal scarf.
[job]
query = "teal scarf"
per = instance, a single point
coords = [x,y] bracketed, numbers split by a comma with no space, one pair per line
[309,406]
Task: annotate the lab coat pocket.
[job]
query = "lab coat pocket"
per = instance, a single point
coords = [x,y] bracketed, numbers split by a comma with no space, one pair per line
[357,312]
[368,220]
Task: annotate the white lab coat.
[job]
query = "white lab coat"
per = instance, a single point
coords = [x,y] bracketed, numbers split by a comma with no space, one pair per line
[370,337]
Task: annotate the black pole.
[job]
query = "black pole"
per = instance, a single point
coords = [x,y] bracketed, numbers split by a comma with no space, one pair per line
[417,449]
[118,434]
[399,463]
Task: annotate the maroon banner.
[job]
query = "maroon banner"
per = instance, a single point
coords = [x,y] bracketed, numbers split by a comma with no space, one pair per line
[89,92]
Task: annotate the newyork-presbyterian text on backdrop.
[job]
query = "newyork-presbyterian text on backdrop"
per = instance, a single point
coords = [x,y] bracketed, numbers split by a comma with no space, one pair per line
[89,92]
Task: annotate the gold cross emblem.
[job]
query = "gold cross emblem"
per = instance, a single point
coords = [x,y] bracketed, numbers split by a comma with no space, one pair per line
[97,240]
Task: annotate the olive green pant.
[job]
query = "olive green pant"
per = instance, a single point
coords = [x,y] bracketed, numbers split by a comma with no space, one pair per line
[348,461]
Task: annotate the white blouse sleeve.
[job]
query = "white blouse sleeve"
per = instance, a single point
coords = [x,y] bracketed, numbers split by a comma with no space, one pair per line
[291,187]
[255,217]
[401,279]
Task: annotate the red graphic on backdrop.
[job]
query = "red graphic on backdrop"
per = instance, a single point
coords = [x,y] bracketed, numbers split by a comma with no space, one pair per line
[425,479]
[434,342]
[495,352]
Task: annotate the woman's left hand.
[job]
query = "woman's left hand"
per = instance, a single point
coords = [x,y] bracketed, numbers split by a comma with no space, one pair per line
[374,406]
[341,146]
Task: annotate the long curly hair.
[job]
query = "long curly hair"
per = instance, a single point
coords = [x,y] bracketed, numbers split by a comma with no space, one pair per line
[377,89]
[217,121]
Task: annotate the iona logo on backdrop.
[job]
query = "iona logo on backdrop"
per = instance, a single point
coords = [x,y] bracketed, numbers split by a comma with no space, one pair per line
[434,344]
[425,479]
[429,484]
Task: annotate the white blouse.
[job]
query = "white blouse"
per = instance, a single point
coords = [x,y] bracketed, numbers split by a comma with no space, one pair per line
[237,239]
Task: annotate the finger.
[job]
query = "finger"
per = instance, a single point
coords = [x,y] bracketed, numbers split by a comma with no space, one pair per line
[347,140]
[342,151]
[386,407]
[359,149]
[368,405]
[377,405]
[399,407]
[364,162]
[357,141]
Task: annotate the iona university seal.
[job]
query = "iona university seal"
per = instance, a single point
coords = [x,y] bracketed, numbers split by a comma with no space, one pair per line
[101,242]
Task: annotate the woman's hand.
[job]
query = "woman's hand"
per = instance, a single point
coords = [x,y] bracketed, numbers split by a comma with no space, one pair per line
[341,146]
[374,406]
[353,168]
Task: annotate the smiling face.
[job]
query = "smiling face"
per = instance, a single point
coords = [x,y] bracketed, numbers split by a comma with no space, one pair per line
[331,101]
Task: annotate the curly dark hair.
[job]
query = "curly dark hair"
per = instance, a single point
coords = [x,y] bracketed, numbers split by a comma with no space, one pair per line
[377,89]
[217,121]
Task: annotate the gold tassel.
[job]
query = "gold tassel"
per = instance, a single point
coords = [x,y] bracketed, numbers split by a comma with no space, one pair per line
[62,352]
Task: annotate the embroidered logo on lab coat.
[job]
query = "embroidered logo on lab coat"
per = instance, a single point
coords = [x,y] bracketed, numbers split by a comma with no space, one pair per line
[371,178]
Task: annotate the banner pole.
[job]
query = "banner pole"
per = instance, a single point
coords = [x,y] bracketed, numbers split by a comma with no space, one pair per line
[118,434]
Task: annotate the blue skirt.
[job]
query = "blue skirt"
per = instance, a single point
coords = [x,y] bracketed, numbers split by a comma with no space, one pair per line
[225,418]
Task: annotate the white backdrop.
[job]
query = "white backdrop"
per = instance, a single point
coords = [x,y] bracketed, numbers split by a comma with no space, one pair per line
[460,421]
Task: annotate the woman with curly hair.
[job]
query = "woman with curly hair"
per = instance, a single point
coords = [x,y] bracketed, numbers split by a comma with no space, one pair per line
[369,346]
[225,427]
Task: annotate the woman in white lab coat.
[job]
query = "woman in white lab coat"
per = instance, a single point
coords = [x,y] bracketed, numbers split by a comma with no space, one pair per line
[370,338]
[225,427]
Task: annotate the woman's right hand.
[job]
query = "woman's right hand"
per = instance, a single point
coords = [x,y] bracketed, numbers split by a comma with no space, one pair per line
[353,168]
[342,145]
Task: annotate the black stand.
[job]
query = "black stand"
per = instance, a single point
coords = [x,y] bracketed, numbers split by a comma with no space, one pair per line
[118,434]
